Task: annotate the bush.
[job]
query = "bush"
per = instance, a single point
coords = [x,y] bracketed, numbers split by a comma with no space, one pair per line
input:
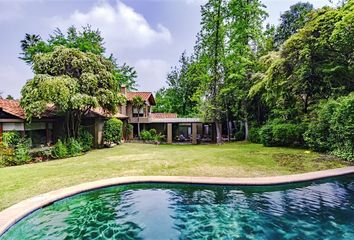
[128,129]
[18,155]
[240,135]
[153,132]
[22,152]
[332,130]
[41,154]
[7,156]
[112,131]
[318,136]
[11,139]
[74,147]
[59,150]
[159,137]
[253,135]
[282,134]
[146,135]
[85,140]
[266,135]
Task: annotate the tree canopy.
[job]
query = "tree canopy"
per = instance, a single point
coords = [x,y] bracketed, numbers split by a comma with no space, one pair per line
[87,40]
[246,75]
[74,82]
[292,20]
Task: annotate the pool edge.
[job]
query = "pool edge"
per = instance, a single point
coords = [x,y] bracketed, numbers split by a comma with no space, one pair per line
[15,213]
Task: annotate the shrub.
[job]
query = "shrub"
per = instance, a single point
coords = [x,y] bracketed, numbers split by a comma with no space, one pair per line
[18,155]
[266,135]
[153,132]
[85,140]
[332,130]
[282,134]
[128,129]
[22,152]
[318,136]
[6,156]
[342,128]
[112,131]
[240,135]
[59,150]
[159,137]
[11,139]
[253,135]
[146,135]
[73,147]
[43,153]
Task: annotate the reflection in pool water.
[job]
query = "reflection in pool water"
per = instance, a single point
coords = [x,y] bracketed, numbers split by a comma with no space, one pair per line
[318,210]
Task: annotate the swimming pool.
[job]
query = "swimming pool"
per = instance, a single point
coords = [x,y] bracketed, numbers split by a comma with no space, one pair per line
[318,210]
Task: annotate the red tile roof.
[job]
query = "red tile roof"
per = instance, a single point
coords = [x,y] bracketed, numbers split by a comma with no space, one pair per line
[163,115]
[12,107]
[146,96]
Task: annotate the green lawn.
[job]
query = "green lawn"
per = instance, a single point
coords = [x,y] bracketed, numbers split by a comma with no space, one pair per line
[228,160]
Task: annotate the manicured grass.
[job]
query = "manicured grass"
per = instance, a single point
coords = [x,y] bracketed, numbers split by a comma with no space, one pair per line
[227,160]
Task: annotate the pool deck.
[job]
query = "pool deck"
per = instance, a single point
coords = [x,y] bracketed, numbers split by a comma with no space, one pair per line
[13,214]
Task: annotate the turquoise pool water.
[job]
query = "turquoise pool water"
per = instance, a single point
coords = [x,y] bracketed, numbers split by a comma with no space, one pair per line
[317,210]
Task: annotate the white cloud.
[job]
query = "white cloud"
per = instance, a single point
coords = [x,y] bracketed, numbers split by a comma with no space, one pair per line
[151,73]
[121,26]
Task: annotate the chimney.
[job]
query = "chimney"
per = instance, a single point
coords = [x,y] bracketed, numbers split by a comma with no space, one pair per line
[123,89]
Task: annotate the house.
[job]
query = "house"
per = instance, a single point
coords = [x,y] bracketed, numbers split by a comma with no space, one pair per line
[12,118]
[50,127]
[170,125]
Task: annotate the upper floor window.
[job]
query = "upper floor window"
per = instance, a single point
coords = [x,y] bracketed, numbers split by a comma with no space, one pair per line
[136,113]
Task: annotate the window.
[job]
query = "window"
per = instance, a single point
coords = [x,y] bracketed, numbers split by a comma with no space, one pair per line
[39,133]
[136,114]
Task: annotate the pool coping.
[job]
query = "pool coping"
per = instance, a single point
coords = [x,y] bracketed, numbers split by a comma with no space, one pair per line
[15,213]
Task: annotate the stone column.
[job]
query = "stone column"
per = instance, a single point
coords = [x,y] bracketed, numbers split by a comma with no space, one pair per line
[194,133]
[48,134]
[98,133]
[169,133]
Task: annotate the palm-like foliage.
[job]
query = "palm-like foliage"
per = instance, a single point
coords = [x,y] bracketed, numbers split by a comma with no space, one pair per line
[29,41]
[138,103]
[28,47]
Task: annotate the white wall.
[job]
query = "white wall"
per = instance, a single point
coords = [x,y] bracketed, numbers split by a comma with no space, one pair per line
[13,126]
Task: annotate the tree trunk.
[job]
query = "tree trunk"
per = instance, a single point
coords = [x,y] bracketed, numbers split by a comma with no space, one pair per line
[246,129]
[67,125]
[218,133]
[228,126]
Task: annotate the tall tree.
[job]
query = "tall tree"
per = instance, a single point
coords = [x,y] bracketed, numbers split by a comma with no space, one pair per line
[315,63]
[73,82]
[128,76]
[244,42]
[210,51]
[179,96]
[292,20]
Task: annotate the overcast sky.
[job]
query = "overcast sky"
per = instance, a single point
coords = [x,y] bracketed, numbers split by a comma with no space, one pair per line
[147,34]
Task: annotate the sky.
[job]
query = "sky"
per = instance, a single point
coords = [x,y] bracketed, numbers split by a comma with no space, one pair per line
[149,35]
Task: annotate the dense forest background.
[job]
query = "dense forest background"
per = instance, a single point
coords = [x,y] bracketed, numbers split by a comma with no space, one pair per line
[285,85]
